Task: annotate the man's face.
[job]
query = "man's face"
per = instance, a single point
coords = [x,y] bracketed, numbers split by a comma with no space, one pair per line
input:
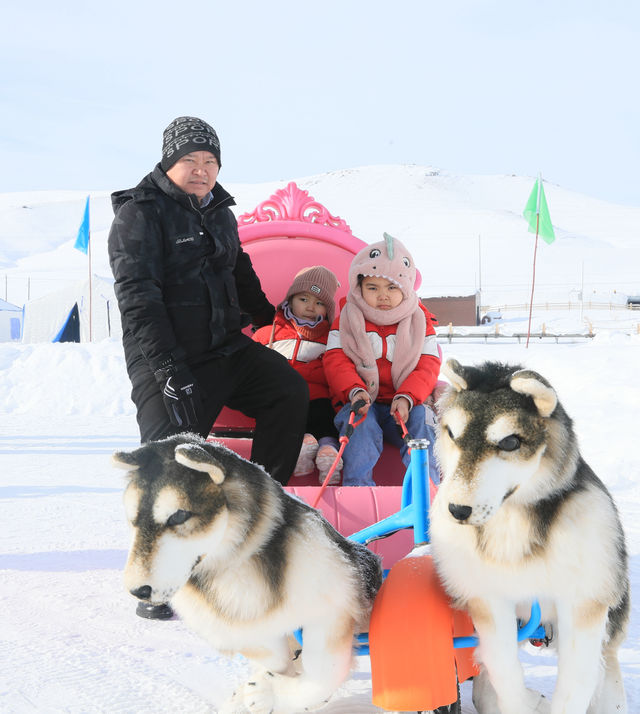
[195,173]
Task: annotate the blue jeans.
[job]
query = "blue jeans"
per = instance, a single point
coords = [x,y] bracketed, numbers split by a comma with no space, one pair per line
[365,445]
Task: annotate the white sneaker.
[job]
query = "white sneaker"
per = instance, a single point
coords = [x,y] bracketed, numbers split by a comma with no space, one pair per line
[324,461]
[307,455]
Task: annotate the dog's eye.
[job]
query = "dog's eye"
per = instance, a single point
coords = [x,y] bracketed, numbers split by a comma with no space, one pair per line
[510,443]
[450,433]
[179,517]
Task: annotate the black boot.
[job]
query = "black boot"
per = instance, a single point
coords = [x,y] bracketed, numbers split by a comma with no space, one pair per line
[154,612]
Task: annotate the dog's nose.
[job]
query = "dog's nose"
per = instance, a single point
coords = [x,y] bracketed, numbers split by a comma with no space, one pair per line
[460,513]
[142,593]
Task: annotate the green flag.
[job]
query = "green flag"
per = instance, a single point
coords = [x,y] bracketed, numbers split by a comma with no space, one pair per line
[537,204]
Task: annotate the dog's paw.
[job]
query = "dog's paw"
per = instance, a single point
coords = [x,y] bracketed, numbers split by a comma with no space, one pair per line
[485,699]
[232,706]
[253,697]
[537,703]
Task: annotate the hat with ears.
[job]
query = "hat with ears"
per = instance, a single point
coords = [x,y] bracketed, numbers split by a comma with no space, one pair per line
[187,134]
[318,281]
[388,259]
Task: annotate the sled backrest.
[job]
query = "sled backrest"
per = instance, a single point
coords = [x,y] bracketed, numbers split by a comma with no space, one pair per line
[290,231]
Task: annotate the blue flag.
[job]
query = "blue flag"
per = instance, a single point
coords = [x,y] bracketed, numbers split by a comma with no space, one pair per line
[82,241]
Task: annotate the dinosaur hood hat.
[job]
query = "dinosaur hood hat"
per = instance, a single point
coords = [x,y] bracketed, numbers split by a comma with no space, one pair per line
[391,260]
[387,259]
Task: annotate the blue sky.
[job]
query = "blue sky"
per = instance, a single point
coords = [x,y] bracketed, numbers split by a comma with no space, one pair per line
[296,88]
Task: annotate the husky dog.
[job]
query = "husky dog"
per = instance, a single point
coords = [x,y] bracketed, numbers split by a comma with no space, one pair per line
[245,565]
[519,516]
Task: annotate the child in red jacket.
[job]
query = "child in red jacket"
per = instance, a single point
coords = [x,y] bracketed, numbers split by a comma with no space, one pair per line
[299,332]
[382,349]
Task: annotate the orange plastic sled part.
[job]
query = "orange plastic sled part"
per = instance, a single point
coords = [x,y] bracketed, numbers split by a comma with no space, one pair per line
[413,661]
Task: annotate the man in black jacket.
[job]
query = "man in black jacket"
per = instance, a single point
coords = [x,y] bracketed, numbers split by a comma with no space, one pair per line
[185,290]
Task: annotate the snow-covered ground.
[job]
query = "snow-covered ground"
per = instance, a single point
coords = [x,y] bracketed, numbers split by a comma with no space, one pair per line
[69,639]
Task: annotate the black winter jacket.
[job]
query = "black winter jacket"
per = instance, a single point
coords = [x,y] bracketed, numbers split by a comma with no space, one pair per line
[185,287]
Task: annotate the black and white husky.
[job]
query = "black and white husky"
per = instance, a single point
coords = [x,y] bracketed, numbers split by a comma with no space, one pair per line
[520,515]
[245,564]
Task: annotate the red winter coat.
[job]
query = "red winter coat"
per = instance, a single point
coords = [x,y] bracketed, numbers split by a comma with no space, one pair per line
[303,347]
[343,377]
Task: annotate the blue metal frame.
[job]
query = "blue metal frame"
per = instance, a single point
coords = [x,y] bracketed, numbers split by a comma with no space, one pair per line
[415,502]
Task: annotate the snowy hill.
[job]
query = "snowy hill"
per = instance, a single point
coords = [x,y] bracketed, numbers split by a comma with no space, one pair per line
[465,232]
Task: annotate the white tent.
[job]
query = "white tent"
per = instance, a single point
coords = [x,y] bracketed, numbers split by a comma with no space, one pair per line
[63,316]
[10,321]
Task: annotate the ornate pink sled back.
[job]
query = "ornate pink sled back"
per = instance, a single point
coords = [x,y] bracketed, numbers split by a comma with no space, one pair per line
[290,231]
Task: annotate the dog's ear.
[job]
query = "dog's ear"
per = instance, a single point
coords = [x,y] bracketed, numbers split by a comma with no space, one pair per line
[195,457]
[454,372]
[125,460]
[533,385]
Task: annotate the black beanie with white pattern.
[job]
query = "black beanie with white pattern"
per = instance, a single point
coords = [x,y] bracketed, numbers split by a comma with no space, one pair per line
[187,134]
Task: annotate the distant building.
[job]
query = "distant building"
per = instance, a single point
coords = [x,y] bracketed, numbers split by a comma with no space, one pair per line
[457,310]
[63,315]
[10,322]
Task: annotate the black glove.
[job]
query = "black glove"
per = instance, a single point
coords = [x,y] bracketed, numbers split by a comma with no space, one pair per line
[262,318]
[181,394]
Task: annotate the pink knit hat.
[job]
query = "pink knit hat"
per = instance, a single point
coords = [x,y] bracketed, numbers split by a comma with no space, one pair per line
[318,281]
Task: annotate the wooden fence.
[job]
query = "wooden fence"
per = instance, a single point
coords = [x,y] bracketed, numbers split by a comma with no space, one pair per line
[570,306]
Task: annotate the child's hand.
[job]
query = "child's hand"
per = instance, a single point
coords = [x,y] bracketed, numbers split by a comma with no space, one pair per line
[432,400]
[362,396]
[400,409]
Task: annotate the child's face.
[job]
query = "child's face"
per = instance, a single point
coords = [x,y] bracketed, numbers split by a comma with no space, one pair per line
[306,306]
[381,293]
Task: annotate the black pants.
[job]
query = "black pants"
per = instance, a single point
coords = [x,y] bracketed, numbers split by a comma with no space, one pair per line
[255,380]
[320,419]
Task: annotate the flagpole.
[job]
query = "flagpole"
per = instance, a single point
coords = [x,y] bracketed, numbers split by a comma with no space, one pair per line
[90,286]
[533,282]
[83,244]
[535,252]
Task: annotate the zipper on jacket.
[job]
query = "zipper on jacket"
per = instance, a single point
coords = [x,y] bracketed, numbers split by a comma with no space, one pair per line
[195,207]
[202,213]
